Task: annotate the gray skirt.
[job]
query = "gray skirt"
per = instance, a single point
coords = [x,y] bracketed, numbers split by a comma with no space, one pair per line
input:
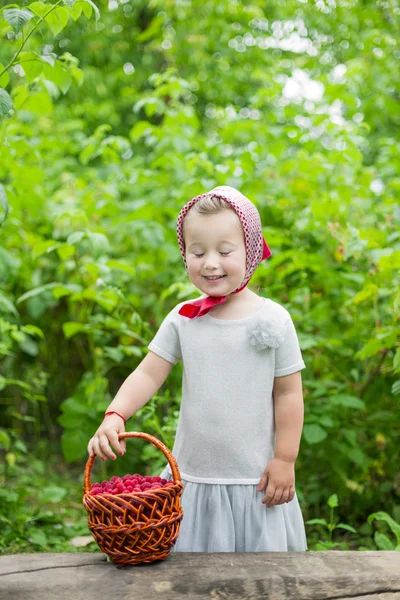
[232,518]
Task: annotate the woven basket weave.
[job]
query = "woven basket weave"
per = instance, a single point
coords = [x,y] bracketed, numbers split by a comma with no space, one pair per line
[137,527]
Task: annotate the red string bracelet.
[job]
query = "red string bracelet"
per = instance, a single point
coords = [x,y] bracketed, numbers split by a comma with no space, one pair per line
[114,412]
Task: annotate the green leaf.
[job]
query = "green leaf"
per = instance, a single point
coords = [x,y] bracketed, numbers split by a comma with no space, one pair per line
[383,516]
[57,19]
[29,346]
[17,17]
[382,541]
[357,456]
[36,291]
[316,522]
[6,104]
[396,303]
[333,501]
[99,241]
[381,341]
[4,439]
[32,65]
[40,103]
[71,328]
[314,433]
[53,494]
[59,74]
[65,251]
[396,361]
[87,12]
[396,388]
[5,78]
[348,401]
[66,290]
[371,290]
[3,204]
[39,8]
[154,28]
[121,266]
[75,237]
[347,527]
[74,443]
[116,354]
[390,262]
[38,538]
[76,11]
[33,330]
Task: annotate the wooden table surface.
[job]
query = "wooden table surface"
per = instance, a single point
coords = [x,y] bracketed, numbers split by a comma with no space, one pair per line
[239,576]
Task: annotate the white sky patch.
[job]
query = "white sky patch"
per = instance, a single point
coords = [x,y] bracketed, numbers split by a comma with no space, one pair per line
[377,186]
[337,74]
[285,35]
[300,86]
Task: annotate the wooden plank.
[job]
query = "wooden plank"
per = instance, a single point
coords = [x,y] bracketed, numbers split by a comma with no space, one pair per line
[220,576]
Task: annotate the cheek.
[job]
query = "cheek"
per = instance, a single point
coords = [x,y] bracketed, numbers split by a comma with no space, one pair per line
[192,265]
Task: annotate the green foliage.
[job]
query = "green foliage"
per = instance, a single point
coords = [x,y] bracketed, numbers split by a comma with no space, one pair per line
[329,527]
[109,122]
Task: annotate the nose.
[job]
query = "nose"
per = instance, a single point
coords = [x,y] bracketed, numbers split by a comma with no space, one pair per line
[211,261]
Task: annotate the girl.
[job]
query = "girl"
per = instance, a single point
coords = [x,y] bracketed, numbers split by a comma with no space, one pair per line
[241,414]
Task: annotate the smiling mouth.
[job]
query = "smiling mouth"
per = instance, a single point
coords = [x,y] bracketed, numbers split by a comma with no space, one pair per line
[214,278]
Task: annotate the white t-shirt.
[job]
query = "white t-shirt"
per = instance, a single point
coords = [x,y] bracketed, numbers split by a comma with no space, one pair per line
[226,429]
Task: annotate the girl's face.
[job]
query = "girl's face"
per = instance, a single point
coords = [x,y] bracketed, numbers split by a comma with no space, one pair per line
[215,252]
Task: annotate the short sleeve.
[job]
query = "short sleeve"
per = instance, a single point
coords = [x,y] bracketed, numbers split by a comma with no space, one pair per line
[288,358]
[166,341]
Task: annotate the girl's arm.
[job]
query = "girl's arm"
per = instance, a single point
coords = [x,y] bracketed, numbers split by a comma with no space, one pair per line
[134,393]
[278,478]
[289,415]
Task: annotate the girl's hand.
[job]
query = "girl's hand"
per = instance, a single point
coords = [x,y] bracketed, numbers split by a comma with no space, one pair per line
[107,433]
[278,479]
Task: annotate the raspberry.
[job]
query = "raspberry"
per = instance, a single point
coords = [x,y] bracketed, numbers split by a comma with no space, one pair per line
[130,484]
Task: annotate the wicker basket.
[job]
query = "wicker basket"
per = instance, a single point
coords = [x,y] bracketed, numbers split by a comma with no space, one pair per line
[137,527]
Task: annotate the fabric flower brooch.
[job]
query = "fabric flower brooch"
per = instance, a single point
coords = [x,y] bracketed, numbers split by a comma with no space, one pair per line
[266,333]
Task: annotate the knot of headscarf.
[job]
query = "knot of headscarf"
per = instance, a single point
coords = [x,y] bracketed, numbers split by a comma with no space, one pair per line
[257,249]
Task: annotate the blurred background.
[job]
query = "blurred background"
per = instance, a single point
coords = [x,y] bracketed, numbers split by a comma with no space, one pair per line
[114,115]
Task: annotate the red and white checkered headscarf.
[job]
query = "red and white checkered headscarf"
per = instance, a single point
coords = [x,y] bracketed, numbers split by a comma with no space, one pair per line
[257,249]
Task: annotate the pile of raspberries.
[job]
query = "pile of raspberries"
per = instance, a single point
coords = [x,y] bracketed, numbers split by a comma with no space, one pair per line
[129,484]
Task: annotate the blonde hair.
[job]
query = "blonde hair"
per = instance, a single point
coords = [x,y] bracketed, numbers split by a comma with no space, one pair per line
[210,205]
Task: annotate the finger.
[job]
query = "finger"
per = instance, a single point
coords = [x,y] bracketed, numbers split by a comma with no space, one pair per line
[269,495]
[284,497]
[278,495]
[275,498]
[89,447]
[105,446]
[263,482]
[96,449]
[291,493]
[261,486]
[115,443]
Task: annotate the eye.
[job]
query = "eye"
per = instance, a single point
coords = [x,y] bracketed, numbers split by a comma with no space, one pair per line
[224,253]
[199,255]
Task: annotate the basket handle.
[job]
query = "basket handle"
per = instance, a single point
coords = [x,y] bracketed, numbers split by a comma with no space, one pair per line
[145,436]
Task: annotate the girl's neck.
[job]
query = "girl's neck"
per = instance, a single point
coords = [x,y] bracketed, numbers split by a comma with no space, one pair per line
[238,306]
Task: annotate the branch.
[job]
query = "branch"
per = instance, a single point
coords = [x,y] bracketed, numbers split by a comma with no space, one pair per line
[12,61]
[374,372]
